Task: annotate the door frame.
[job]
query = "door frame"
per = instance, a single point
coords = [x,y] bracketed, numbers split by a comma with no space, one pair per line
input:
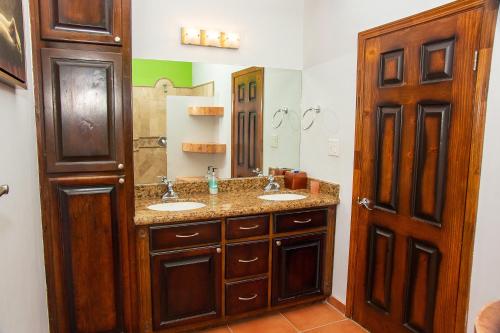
[485,47]
[261,117]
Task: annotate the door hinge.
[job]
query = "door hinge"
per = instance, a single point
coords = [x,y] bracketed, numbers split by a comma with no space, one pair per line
[476,56]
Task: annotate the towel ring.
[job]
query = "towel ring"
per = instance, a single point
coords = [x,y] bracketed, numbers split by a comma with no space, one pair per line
[281,111]
[316,111]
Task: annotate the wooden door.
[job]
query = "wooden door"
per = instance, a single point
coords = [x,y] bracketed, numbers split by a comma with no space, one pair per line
[297,267]
[88,235]
[186,286]
[247,122]
[415,126]
[82,110]
[88,21]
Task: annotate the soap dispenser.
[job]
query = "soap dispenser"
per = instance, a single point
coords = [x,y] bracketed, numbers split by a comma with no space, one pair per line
[213,187]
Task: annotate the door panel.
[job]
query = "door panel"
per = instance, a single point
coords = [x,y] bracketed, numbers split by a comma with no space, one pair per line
[82,110]
[94,21]
[297,267]
[247,136]
[89,231]
[186,286]
[416,129]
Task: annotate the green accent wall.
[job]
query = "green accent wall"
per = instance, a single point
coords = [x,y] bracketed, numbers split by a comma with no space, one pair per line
[146,72]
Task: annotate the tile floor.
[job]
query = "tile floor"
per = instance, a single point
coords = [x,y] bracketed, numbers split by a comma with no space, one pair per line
[313,318]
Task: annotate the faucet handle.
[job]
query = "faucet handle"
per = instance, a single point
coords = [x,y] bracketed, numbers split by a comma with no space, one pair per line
[270,178]
[258,172]
[165,180]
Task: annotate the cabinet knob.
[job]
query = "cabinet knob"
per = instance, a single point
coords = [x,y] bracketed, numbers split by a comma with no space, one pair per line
[118,39]
[278,243]
[121,166]
[219,250]
[121,180]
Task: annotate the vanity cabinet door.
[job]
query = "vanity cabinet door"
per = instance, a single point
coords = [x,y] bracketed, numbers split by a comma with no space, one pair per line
[88,265]
[82,110]
[186,286]
[87,21]
[297,267]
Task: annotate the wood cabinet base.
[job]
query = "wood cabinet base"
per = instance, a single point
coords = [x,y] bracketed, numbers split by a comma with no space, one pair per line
[239,277]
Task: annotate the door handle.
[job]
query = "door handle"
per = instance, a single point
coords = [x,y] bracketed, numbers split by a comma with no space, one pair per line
[365,202]
[4,189]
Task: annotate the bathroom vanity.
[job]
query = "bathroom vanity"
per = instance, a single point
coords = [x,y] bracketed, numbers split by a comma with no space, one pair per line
[236,257]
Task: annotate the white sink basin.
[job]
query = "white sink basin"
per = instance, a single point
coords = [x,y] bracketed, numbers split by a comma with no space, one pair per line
[282,197]
[176,206]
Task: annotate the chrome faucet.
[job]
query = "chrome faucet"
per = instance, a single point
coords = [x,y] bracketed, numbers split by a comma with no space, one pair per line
[272,185]
[258,172]
[170,194]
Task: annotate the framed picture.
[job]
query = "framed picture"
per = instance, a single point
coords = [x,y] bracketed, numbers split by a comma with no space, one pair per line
[12,53]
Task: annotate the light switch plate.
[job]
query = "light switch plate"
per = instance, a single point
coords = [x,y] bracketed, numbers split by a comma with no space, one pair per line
[274,141]
[334,147]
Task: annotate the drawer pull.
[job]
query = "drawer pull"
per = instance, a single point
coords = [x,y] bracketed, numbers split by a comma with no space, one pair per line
[302,222]
[248,298]
[250,228]
[247,261]
[187,236]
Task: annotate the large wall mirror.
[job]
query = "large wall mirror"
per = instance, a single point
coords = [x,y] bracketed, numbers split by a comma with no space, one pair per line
[190,116]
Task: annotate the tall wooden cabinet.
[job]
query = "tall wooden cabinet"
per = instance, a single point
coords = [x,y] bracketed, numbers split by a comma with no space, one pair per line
[82,68]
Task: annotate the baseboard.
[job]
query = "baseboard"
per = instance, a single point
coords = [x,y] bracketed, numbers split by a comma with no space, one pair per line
[336,304]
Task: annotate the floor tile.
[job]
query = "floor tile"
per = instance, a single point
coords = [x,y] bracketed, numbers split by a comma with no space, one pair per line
[344,326]
[270,324]
[220,329]
[312,316]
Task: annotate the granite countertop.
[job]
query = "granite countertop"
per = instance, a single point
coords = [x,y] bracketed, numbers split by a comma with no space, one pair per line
[227,204]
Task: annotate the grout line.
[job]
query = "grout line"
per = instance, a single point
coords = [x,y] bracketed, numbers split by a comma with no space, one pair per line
[327,324]
[288,320]
[229,328]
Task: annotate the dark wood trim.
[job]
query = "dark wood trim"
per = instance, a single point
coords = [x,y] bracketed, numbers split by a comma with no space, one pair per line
[337,304]
[490,9]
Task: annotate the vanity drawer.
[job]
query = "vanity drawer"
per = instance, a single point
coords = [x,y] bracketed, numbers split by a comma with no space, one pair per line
[285,222]
[245,296]
[245,259]
[248,226]
[183,235]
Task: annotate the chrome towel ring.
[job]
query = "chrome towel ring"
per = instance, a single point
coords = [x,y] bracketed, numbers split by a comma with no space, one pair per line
[316,111]
[279,116]
[4,189]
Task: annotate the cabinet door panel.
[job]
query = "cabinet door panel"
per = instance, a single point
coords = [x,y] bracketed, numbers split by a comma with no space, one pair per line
[89,243]
[297,267]
[186,286]
[82,110]
[92,21]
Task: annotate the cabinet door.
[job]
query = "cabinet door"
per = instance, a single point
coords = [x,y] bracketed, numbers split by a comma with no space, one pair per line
[82,110]
[88,252]
[186,286]
[297,267]
[91,21]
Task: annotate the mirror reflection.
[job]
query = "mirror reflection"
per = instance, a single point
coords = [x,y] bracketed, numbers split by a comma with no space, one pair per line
[192,117]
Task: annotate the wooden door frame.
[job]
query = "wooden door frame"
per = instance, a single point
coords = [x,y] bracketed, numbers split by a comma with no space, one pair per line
[485,47]
[261,117]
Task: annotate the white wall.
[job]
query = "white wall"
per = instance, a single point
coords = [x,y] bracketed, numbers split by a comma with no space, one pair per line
[271,31]
[282,88]
[23,305]
[182,127]
[221,76]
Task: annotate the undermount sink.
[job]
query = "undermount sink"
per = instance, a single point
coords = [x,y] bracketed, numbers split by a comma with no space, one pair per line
[176,206]
[282,197]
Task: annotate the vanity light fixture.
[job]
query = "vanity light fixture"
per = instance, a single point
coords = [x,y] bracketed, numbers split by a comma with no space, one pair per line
[213,38]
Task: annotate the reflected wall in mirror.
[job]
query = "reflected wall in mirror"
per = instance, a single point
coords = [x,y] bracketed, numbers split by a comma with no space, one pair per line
[189,116]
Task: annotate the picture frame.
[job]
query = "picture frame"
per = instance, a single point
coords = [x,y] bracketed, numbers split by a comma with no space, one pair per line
[12,43]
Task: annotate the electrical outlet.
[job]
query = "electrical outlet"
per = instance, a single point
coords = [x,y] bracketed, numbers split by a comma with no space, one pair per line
[334,147]
[274,141]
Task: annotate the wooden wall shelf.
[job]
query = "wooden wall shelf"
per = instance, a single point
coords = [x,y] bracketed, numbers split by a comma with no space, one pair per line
[204,148]
[217,111]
